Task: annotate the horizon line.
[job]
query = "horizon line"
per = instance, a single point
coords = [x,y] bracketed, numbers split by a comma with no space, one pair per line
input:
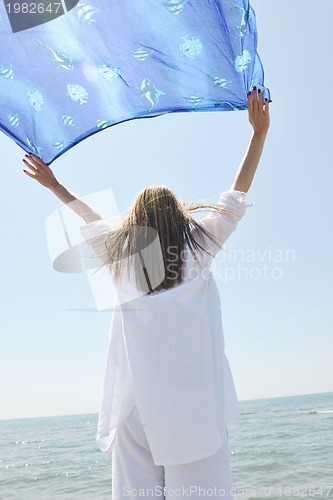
[96,413]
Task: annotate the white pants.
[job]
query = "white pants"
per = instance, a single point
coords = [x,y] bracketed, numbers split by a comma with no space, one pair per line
[135,475]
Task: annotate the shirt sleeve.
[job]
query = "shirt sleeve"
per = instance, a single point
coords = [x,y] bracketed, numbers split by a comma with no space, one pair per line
[221,224]
[95,234]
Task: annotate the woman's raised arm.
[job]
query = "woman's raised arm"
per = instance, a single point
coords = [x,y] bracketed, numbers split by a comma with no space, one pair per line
[44,175]
[258,112]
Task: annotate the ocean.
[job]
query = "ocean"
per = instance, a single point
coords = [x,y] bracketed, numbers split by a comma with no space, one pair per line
[281,448]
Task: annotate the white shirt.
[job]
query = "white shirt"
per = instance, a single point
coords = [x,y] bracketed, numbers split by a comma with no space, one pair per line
[166,354]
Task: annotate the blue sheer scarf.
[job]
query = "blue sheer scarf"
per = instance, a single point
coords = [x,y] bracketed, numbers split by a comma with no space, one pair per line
[73,70]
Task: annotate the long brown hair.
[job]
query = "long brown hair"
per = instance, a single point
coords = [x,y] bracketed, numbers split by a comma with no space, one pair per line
[156,211]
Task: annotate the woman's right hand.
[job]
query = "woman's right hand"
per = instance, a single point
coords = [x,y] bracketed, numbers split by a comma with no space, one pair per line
[40,171]
[258,111]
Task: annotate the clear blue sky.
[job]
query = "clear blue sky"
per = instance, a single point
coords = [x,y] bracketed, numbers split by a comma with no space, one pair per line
[278,331]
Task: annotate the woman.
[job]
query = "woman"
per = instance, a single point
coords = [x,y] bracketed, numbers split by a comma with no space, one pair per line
[168,391]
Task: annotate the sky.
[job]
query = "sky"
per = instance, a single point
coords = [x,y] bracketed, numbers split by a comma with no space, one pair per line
[275,280]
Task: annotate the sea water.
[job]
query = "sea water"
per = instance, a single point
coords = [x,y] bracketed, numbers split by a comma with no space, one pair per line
[281,448]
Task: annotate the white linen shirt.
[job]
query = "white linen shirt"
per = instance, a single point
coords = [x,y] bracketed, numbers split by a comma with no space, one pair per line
[166,353]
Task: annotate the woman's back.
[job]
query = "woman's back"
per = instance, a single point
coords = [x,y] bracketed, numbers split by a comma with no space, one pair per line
[152,265]
[173,345]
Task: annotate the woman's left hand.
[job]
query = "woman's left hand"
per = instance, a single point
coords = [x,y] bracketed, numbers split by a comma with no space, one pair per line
[40,171]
